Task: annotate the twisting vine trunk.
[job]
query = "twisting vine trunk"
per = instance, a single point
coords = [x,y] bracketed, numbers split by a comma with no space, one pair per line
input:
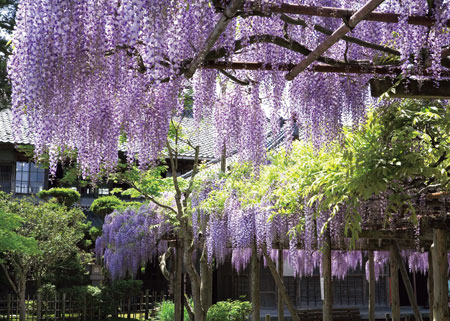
[201,283]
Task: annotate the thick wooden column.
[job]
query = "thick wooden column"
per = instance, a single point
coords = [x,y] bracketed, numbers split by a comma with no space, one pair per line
[326,274]
[280,304]
[430,284]
[255,279]
[395,298]
[371,286]
[440,275]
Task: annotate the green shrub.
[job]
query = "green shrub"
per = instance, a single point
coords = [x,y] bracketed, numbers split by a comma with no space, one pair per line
[64,196]
[166,312]
[119,290]
[229,311]
[105,205]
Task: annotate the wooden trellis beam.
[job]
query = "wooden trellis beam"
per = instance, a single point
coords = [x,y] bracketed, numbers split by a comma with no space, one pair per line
[351,68]
[333,12]
[410,88]
[335,37]
[220,27]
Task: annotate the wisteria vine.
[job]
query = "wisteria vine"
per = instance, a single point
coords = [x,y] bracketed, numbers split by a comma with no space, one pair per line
[86,72]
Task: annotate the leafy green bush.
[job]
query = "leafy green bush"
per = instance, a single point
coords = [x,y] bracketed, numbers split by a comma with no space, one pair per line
[105,205]
[166,312]
[229,311]
[119,290]
[64,196]
[88,293]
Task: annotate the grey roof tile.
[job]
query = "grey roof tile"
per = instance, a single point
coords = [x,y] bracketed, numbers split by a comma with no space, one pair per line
[6,132]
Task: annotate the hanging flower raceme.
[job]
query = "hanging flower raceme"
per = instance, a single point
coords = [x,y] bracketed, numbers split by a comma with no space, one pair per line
[131,238]
[85,73]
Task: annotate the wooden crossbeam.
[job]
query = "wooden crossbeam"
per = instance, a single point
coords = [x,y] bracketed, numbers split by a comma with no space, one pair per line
[219,28]
[333,12]
[410,88]
[350,68]
[335,37]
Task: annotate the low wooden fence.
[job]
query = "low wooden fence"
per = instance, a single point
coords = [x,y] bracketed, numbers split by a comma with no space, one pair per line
[63,307]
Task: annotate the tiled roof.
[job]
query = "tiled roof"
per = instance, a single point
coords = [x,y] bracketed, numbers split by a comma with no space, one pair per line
[6,134]
[201,135]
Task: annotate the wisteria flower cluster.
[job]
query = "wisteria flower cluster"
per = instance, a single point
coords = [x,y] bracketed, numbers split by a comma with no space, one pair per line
[131,238]
[85,73]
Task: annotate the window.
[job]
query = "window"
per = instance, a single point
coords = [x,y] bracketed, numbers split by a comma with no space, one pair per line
[103,191]
[5,178]
[30,179]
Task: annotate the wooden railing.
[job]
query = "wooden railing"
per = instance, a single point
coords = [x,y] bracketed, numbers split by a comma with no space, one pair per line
[64,307]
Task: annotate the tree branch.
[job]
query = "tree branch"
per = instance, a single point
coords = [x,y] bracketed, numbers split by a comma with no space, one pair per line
[266,38]
[152,199]
[235,79]
[11,282]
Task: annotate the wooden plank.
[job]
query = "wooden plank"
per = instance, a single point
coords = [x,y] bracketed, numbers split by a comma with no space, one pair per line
[410,88]
[371,286]
[407,282]
[395,298]
[440,272]
[335,37]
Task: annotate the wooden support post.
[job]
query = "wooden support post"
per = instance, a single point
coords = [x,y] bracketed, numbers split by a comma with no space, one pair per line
[178,286]
[280,303]
[371,286]
[430,284]
[440,272]
[326,274]
[84,308]
[146,304]
[395,298]
[407,282]
[255,279]
[129,308]
[63,306]
[56,306]
[267,317]
[279,283]
[8,308]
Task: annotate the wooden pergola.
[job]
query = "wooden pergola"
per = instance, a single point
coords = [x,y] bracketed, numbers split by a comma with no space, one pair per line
[434,226]
[433,236]
[207,57]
